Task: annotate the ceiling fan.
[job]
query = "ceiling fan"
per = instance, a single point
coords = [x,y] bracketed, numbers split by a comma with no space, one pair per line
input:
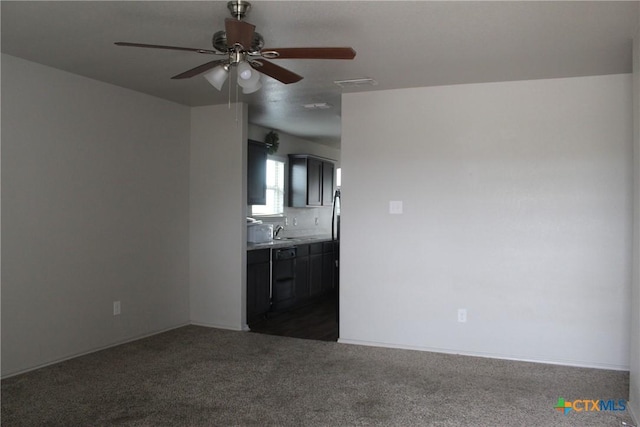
[242,47]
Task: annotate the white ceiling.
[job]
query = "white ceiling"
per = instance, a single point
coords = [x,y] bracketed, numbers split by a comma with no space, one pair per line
[399,44]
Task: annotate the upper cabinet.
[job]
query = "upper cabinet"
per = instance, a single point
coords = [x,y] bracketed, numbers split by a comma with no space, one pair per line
[256,173]
[311,181]
[328,182]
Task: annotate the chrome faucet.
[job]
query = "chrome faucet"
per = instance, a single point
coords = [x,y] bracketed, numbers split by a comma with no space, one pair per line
[278,229]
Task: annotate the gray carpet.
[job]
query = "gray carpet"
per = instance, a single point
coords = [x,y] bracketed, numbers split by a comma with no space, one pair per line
[205,377]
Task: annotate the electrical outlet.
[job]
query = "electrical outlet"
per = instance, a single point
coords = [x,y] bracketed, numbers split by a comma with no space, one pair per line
[462,315]
[317,222]
[295,221]
[116,308]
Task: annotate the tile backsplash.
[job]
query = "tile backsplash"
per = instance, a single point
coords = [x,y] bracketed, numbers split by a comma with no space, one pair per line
[299,222]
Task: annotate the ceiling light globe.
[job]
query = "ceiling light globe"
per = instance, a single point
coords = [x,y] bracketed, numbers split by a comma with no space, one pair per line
[252,80]
[251,89]
[217,76]
[245,72]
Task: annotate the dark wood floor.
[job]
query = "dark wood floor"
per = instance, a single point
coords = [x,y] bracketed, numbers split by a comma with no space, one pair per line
[317,321]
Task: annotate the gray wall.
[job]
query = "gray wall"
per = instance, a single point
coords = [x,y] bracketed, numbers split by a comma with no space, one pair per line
[517,207]
[290,144]
[94,209]
[218,205]
[634,387]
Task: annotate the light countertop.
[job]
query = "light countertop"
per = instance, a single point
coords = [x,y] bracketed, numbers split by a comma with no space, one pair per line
[289,241]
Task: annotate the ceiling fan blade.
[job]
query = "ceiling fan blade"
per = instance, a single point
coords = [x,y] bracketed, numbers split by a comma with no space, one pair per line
[200,69]
[277,72]
[157,46]
[312,53]
[239,32]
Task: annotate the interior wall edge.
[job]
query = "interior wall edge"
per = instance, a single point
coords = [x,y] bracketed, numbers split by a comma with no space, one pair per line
[217,239]
[634,336]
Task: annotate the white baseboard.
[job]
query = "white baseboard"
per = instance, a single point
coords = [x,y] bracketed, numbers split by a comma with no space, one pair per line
[73,356]
[580,364]
[219,326]
[117,343]
[634,410]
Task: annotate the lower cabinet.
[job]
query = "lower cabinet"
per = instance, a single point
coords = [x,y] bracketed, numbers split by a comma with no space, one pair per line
[282,279]
[258,283]
[328,266]
[317,271]
[302,274]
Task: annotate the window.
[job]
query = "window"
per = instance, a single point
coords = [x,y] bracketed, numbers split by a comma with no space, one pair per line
[275,190]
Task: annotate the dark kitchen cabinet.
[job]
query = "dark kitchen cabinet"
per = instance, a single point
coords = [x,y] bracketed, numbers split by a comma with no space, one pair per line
[302,274]
[311,181]
[322,268]
[286,278]
[256,173]
[328,266]
[315,269]
[328,184]
[314,182]
[258,283]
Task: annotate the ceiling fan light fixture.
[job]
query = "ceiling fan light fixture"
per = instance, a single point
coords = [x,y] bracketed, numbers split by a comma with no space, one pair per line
[254,88]
[217,76]
[247,76]
[245,72]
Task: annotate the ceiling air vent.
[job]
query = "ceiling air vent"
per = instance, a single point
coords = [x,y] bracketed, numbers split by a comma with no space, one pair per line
[356,82]
[317,106]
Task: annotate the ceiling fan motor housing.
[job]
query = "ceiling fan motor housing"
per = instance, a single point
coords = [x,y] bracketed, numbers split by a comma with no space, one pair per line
[239,8]
[219,42]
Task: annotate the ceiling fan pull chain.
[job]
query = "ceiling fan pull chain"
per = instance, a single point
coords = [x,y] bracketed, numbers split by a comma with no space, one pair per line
[229,95]
[237,88]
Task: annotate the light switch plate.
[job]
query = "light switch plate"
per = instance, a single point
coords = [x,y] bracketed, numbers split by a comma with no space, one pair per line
[395,207]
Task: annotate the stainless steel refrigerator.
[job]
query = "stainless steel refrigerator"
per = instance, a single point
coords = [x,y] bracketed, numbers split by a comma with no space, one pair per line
[335,236]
